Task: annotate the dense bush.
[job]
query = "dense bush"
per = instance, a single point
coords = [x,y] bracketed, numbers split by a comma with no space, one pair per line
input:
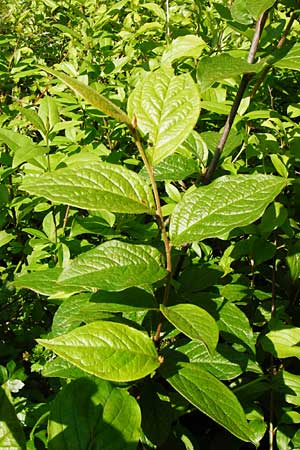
[149,225]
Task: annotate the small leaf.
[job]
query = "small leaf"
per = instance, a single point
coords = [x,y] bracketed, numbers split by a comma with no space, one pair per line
[167,108]
[194,322]
[94,185]
[108,350]
[91,96]
[90,413]
[211,396]
[114,266]
[220,67]
[32,116]
[229,202]
[5,238]
[183,47]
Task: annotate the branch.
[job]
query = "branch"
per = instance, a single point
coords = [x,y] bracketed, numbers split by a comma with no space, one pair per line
[238,98]
[278,47]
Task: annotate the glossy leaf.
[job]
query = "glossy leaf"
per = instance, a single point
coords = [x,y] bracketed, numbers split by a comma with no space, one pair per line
[114,266]
[94,186]
[45,282]
[91,96]
[166,108]
[108,350]
[90,413]
[194,322]
[288,384]
[212,397]
[224,364]
[59,367]
[229,202]
[220,67]
[174,167]
[11,433]
[282,343]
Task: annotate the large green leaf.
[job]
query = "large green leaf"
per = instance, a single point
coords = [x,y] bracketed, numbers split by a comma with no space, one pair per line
[291,60]
[114,266]
[166,108]
[91,96]
[282,343]
[90,413]
[94,186]
[194,322]
[221,67]
[11,433]
[211,396]
[229,202]
[23,147]
[109,350]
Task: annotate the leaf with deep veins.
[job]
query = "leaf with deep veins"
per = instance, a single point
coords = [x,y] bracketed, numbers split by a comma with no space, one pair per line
[109,350]
[229,202]
[94,185]
[114,266]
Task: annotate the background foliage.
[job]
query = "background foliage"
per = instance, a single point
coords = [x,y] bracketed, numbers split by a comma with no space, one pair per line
[149,266]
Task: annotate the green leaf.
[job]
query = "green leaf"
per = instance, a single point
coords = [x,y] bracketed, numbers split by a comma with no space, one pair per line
[224,364]
[194,322]
[91,96]
[48,112]
[293,261]
[220,67]
[243,10]
[174,168]
[45,282]
[74,311]
[90,413]
[114,266]
[211,396]
[108,350]
[32,116]
[288,384]
[11,433]
[166,108]
[232,322]
[282,343]
[94,185]
[229,202]
[291,60]
[59,367]
[5,238]
[188,46]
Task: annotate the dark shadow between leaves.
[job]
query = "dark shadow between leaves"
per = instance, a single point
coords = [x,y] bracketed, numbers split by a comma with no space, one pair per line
[81,418]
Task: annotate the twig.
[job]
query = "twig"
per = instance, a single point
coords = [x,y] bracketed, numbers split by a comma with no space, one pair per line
[238,98]
[278,47]
[161,223]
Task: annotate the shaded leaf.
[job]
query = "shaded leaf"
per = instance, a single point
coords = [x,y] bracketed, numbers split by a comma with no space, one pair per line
[108,350]
[291,60]
[282,343]
[90,413]
[211,396]
[11,433]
